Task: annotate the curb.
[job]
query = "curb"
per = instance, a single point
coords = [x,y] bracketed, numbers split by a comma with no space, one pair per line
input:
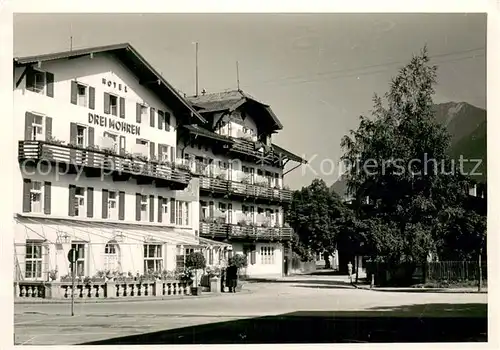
[422,290]
[118,300]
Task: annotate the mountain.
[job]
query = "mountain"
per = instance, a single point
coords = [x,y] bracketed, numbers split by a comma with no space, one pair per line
[467,127]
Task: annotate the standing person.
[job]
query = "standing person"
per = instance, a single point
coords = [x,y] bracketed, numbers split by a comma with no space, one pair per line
[349,271]
[232,278]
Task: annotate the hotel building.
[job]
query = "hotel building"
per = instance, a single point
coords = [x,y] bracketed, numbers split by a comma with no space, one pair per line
[240,170]
[99,172]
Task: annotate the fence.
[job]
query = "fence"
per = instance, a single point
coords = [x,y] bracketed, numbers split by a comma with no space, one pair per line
[454,271]
[431,272]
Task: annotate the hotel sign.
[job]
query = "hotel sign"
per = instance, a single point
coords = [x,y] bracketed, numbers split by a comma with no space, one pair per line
[112,123]
[113,84]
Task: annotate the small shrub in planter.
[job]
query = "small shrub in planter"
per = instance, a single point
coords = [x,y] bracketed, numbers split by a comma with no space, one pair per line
[195,262]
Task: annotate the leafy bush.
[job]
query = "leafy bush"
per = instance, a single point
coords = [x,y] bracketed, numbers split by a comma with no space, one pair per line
[238,260]
[196,261]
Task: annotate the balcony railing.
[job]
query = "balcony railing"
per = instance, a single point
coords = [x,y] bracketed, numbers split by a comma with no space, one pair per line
[247,232]
[105,161]
[222,186]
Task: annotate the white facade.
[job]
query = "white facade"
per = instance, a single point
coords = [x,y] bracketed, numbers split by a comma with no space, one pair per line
[265,259]
[94,100]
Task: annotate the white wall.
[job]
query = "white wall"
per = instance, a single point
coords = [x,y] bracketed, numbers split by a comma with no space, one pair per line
[60,195]
[90,72]
[259,269]
[55,256]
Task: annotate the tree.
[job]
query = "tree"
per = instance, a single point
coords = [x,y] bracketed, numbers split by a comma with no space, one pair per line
[399,159]
[312,215]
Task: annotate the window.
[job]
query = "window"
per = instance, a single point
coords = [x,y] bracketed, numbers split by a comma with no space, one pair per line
[80,201]
[164,153]
[33,259]
[36,195]
[267,255]
[153,260]
[113,105]
[144,208]
[39,82]
[182,213]
[81,135]
[165,209]
[37,127]
[204,210]
[111,256]
[81,95]
[112,205]
[144,115]
[110,141]
[80,261]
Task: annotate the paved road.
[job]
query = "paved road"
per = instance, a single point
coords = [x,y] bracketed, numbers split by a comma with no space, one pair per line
[325,296]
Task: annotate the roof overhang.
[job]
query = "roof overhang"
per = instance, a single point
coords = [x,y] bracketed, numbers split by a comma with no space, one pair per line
[147,75]
[283,153]
[199,131]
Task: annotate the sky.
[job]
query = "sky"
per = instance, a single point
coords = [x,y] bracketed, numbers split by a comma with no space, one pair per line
[318,72]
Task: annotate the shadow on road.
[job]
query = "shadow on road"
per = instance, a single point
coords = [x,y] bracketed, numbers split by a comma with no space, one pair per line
[408,323]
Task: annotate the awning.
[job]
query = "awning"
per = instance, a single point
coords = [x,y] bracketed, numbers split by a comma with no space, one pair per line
[64,229]
[209,242]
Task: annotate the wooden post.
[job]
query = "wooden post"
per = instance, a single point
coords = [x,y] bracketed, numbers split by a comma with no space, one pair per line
[372,283]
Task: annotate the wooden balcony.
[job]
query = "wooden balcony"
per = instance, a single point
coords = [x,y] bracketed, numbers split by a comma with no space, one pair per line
[245,191]
[245,233]
[97,162]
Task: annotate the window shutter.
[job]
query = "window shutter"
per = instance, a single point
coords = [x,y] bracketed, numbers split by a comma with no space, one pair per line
[138,206]
[91,97]
[27,196]
[160,208]
[172,210]
[172,154]
[252,257]
[151,208]
[74,89]
[138,113]
[72,133]
[71,207]
[211,209]
[123,145]
[106,103]
[121,206]
[167,121]
[28,126]
[152,147]
[30,79]
[160,119]
[91,136]
[49,77]
[122,108]
[48,128]
[90,202]
[47,197]
[152,117]
[104,204]
[160,152]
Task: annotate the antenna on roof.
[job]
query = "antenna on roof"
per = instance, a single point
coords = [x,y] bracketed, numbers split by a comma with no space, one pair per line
[238,75]
[196,63]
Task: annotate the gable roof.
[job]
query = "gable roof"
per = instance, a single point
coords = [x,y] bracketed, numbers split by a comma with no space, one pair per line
[129,56]
[229,101]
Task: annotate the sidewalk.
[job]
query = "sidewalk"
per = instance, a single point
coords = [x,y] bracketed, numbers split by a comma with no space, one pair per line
[484,290]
